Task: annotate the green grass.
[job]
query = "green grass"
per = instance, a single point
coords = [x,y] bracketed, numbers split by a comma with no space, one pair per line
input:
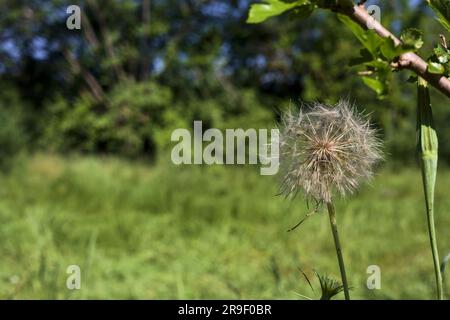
[159,232]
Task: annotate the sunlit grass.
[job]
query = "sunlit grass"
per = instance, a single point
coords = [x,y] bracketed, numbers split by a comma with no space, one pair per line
[162,231]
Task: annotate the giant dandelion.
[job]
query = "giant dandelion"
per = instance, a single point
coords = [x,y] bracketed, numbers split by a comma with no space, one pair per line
[327,151]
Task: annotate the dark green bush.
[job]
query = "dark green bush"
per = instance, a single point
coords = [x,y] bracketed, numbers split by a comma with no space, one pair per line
[138,119]
[12,136]
[126,125]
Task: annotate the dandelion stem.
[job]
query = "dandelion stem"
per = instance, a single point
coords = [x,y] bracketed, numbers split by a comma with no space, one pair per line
[337,244]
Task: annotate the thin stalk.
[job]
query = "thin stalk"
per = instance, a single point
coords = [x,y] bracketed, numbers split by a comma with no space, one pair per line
[427,147]
[434,250]
[337,244]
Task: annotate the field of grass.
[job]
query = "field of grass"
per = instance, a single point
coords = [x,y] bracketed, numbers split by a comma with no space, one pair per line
[159,232]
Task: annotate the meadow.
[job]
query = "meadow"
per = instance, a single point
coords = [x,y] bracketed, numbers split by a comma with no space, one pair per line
[141,231]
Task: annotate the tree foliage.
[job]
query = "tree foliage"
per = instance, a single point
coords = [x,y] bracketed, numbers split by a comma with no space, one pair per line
[138,69]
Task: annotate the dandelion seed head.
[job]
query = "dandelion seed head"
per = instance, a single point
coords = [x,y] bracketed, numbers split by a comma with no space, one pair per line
[326,150]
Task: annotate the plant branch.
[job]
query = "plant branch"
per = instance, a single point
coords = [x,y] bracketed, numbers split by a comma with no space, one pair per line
[409,60]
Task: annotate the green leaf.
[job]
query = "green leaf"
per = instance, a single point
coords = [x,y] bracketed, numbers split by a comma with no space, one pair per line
[412,39]
[260,12]
[368,38]
[435,67]
[373,44]
[379,65]
[329,286]
[375,85]
[390,50]
[442,10]
[442,54]
[365,57]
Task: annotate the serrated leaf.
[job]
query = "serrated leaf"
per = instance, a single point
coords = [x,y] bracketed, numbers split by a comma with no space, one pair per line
[260,12]
[412,39]
[442,10]
[442,54]
[435,67]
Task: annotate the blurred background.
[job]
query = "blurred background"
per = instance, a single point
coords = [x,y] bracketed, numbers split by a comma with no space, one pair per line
[86,177]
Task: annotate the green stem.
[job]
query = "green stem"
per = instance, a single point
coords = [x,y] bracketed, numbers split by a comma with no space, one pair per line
[428,151]
[434,250]
[337,244]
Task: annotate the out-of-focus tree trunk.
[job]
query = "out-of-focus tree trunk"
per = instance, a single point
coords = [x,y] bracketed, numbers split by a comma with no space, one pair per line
[95,88]
[145,54]
[107,40]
